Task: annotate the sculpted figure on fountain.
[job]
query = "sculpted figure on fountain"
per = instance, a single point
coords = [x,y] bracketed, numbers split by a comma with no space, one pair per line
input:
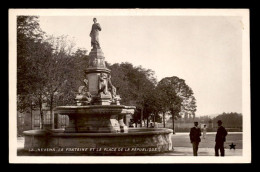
[102,84]
[115,98]
[83,97]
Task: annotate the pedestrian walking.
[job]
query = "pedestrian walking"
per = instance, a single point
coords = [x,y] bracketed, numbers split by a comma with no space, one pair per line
[204,131]
[195,134]
[220,139]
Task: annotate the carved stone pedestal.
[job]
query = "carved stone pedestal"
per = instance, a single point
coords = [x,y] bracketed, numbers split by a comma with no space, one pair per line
[102,99]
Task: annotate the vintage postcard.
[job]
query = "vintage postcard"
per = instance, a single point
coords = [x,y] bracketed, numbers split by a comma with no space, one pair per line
[129,86]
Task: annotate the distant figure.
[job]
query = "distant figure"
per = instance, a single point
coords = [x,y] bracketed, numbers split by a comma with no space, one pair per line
[204,131]
[220,139]
[131,124]
[94,34]
[195,134]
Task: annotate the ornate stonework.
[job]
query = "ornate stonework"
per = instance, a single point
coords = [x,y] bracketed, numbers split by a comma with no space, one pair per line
[83,97]
[100,87]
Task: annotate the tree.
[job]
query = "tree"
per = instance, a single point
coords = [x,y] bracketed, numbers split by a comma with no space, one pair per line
[230,120]
[57,70]
[168,99]
[28,27]
[31,50]
[28,38]
[175,96]
[145,82]
[44,66]
[74,79]
[135,85]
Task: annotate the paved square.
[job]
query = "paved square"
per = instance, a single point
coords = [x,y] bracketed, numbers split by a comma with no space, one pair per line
[183,147]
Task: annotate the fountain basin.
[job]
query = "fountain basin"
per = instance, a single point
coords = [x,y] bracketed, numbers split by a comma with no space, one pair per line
[98,130]
[95,118]
[95,109]
[135,141]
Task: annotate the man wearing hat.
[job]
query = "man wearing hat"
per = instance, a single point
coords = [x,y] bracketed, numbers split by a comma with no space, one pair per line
[220,139]
[195,134]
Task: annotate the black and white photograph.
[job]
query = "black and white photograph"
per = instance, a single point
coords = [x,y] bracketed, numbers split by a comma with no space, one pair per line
[129,86]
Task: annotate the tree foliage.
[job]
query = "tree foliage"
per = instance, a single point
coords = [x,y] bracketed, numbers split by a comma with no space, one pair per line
[230,120]
[177,87]
[136,86]
[46,67]
[175,96]
[30,51]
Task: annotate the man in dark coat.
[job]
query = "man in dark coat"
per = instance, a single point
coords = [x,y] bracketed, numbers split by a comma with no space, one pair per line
[220,139]
[195,134]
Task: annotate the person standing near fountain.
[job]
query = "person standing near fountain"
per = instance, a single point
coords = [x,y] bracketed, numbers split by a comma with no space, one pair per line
[220,139]
[204,130]
[94,34]
[195,134]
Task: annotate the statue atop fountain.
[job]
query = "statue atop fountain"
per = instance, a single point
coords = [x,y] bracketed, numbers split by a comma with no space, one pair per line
[97,97]
[100,87]
[94,34]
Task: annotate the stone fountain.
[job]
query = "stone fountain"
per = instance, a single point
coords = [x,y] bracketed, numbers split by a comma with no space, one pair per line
[96,121]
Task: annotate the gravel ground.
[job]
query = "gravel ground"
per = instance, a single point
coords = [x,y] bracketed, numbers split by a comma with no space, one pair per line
[183,140]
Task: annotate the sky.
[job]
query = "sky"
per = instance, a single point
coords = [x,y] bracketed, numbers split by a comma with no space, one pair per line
[205,51]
